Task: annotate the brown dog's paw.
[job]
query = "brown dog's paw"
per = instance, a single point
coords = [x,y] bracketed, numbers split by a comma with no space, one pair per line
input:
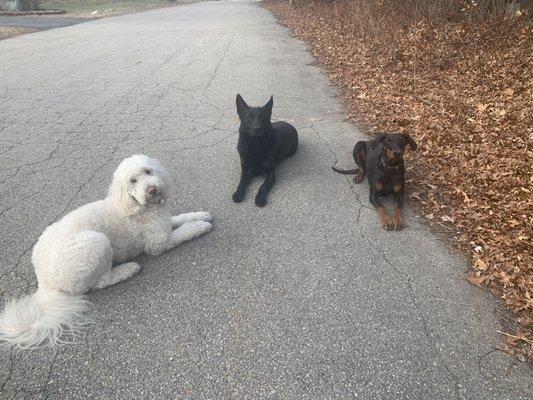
[397,223]
[387,224]
[358,178]
[385,220]
[397,219]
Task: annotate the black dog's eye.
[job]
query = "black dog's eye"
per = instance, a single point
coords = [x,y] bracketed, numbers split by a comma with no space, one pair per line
[147,171]
[133,180]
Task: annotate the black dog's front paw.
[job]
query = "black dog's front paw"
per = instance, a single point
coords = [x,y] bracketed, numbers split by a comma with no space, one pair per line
[260,200]
[238,196]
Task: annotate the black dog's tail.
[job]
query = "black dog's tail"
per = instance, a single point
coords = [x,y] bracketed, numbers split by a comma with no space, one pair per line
[345,171]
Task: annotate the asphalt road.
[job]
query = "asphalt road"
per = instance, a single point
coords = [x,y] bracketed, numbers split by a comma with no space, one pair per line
[305,299]
[39,22]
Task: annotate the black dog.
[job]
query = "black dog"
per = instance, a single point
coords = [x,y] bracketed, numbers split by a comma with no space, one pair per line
[262,146]
[382,161]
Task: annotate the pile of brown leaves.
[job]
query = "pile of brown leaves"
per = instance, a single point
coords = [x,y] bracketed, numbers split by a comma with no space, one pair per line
[7,32]
[464,91]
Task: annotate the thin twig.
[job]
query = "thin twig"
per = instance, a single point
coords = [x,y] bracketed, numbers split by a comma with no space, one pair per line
[516,337]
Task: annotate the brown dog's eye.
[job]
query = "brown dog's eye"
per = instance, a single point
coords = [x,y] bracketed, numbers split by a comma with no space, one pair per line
[133,180]
[147,171]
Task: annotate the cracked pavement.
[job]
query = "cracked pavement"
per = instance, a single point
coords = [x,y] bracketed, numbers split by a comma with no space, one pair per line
[307,298]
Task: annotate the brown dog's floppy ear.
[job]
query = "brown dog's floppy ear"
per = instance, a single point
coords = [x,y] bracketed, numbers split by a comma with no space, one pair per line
[268,106]
[378,140]
[241,105]
[411,142]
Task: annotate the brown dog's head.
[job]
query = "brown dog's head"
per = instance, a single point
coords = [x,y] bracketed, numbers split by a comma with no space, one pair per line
[394,145]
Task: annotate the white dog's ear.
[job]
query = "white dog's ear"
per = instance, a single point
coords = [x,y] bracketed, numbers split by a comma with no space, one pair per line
[118,193]
[167,181]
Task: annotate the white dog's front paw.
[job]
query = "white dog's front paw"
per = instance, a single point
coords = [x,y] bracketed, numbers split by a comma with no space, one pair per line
[203,216]
[198,228]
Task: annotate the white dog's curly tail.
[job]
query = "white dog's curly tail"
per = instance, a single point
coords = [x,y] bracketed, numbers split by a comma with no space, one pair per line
[41,319]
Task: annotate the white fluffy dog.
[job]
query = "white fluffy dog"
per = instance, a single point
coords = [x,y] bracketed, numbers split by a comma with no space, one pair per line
[76,254]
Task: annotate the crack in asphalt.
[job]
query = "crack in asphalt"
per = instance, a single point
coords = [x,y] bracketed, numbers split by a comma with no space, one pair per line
[84,184]
[45,388]
[10,371]
[411,293]
[220,61]
[17,263]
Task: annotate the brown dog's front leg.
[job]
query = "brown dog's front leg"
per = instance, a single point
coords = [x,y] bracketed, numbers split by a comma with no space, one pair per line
[385,221]
[397,218]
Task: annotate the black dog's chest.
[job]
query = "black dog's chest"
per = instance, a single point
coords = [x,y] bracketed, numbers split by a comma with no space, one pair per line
[263,154]
[256,161]
[257,151]
[253,153]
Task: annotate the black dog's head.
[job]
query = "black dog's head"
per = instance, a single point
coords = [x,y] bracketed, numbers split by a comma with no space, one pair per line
[394,145]
[255,121]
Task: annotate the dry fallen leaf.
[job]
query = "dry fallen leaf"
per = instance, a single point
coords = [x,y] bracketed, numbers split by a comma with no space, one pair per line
[478,249]
[480,265]
[415,195]
[481,108]
[508,92]
[476,280]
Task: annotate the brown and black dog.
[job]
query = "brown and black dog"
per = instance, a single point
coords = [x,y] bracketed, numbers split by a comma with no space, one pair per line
[381,160]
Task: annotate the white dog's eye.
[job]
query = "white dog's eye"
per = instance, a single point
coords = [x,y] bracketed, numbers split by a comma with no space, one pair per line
[133,180]
[147,171]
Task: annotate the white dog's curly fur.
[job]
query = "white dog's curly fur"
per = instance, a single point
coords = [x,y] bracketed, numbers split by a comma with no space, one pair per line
[76,254]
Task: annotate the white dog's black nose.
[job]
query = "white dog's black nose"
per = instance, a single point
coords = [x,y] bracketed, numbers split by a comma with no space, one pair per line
[152,190]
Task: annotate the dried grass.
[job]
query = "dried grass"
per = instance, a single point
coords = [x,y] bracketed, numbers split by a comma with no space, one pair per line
[7,32]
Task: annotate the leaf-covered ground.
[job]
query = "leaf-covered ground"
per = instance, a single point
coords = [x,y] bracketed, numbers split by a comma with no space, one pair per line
[464,92]
[7,32]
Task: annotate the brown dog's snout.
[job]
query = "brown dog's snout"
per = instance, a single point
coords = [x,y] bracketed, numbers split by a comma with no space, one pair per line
[152,190]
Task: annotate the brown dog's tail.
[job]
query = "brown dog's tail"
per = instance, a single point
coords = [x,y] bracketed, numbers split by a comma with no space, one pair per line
[345,171]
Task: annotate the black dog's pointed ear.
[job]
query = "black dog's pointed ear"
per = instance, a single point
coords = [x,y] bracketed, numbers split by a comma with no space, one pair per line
[241,104]
[411,142]
[378,140]
[268,106]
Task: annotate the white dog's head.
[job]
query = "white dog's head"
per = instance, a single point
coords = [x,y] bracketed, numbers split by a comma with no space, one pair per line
[139,182]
